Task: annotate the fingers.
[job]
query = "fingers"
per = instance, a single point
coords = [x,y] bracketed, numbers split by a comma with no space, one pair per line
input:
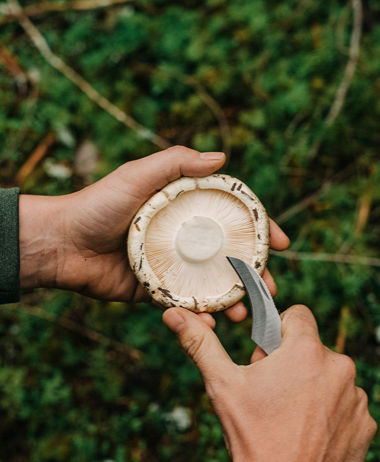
[154,172]
[278,239]
[208,319]
[141,295]
[258,354]
[236,313]
[269,281]
[297,323]
[200,342]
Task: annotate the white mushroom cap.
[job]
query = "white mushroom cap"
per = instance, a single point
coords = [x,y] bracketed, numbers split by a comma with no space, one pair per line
[179,240]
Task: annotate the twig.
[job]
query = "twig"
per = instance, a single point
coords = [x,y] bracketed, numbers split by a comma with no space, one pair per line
[44,7]
[349,71]
[351,65]
[33,160]
[343,327]
[329,257]
[340,29]
[14,68]
[84,331]
[225,131]
[78,80]
[363,213]
[203,94]
[304,203]
[288,133]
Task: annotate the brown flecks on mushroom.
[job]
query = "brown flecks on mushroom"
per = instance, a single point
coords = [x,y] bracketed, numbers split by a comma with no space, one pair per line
[167,293]
[190,238]
[161,256]
[248,195]
[257,265]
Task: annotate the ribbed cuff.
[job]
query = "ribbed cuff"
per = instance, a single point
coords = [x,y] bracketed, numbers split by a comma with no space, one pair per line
[9,246]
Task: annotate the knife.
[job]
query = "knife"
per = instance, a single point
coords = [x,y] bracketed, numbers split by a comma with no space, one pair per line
[266,329]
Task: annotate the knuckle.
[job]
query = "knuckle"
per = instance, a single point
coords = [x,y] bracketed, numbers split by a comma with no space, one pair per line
[347,367]
[372,427]
[181,150]
[362,396]
[301,308]
[301,311]
[312,346]
[301,315]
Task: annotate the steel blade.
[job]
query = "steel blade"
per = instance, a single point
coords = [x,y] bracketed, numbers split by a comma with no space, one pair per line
[266,329]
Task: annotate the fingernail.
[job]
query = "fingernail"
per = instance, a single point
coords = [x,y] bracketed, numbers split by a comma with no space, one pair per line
[212,155]
[174,321]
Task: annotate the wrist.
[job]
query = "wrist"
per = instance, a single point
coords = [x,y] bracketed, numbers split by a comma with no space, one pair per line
[41,239]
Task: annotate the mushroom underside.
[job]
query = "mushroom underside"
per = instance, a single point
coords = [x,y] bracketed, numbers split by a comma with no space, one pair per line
[187,242]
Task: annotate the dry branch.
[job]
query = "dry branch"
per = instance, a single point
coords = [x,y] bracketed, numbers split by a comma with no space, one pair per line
[204,95]
[349,72]
[83,85]
[12,65]
[121,348]
[215,108]
[44,7]
[328,257]
[307,201]
[351,65]
[34,159]
[340,342]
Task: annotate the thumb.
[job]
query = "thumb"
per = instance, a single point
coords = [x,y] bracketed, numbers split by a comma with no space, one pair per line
[152,173]
[298,323]
[200,343]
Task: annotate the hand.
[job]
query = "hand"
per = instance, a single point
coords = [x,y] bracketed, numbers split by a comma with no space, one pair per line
[298,404]
[78,241]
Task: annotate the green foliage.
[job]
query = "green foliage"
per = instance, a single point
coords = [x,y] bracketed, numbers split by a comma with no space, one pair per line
[273,69]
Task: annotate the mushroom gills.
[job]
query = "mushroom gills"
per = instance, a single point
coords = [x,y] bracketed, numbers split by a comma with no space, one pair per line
[187,243]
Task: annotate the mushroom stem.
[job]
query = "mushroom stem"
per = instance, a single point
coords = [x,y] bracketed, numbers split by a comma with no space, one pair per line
[199,239]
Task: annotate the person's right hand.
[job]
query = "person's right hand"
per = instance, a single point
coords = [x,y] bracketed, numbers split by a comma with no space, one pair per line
[298,404]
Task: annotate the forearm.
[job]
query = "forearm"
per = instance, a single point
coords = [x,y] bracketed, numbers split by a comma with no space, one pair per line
[41,237]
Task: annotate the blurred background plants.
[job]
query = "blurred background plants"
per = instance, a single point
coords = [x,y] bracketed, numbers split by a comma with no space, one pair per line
[290,90]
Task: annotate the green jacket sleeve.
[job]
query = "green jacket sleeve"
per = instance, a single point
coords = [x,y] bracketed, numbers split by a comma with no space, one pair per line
[9,246]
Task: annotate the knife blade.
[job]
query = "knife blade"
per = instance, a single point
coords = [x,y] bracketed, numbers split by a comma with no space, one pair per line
[266,328]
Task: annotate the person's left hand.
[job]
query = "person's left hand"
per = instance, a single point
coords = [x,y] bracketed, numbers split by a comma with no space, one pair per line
[78,242]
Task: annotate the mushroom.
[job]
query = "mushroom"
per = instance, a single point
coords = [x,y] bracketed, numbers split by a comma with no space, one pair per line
[178,242]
